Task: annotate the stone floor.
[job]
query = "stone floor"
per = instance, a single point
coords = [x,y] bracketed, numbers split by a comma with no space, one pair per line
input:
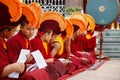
[110,70]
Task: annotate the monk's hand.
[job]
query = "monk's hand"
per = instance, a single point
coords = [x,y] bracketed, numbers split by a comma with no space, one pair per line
[18,66]
[50,60]
[29,57]
[84,52]
[85,59]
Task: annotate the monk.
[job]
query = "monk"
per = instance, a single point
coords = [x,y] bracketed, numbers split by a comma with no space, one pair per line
[21,41]
[55,68]
[77,48]
[5,67]
[60,48]
[7,29]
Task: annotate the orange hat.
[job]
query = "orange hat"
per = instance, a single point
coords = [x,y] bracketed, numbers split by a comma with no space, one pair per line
[79,23]
[78,15]
[14,9]
[69,28]
[39,12]
[54,16]
[30,15]
[91,22]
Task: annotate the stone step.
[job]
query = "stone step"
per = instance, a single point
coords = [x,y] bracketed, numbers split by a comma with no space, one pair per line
[111,43]
[112,33]
[110,46]
[114,51]
[110,39]
[113,54]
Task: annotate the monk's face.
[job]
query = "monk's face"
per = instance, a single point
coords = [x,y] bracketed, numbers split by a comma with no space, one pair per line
[47,36]
[28,31]
[8,33]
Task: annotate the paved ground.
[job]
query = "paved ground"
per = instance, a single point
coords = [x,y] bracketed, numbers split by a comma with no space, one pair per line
[110,70]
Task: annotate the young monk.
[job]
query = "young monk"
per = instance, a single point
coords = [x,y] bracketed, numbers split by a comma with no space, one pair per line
[7,29]
[61,42]
[48,27]
[21,41]
[90,40]
[60,48]
[79,30]
[83,47]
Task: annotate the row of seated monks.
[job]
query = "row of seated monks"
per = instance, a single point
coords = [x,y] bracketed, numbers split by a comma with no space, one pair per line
[67,44]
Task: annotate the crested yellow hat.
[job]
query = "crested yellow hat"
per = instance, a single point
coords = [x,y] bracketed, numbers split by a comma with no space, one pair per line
[69,28]
[38,11]
[78,15]
[30,15]
[91,22]
[79,23]
[56,17]
[14,9]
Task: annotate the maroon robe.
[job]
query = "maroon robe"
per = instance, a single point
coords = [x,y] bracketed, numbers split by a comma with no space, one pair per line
[78,45]
[4,61]
[71,66]
[88,46]
[4,58]
[18,42]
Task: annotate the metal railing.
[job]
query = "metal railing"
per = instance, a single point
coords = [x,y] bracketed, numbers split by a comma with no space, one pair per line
[50,5]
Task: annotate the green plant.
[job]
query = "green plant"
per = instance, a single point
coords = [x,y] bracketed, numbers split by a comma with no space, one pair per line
[70,10]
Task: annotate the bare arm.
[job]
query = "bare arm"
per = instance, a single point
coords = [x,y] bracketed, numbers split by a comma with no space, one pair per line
[67,42]
[15,67]
[56,46]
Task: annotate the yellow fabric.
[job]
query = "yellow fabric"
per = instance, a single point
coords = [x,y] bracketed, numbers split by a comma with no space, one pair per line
[45,46]
[60,40]
[27,43]
[4,44]
[88,36]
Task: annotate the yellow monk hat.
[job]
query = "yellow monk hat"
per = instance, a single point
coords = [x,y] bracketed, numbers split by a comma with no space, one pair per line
[69,28]
[78,15]
[14,9]
[30,15]
[91,22]
[54,16]
[39,12]
[79,23]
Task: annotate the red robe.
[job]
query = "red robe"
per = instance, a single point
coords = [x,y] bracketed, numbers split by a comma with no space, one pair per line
[18,42]
[56,69]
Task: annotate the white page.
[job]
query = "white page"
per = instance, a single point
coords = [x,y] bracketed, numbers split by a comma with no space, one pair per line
[39,59]
[22,58]
[14,75]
